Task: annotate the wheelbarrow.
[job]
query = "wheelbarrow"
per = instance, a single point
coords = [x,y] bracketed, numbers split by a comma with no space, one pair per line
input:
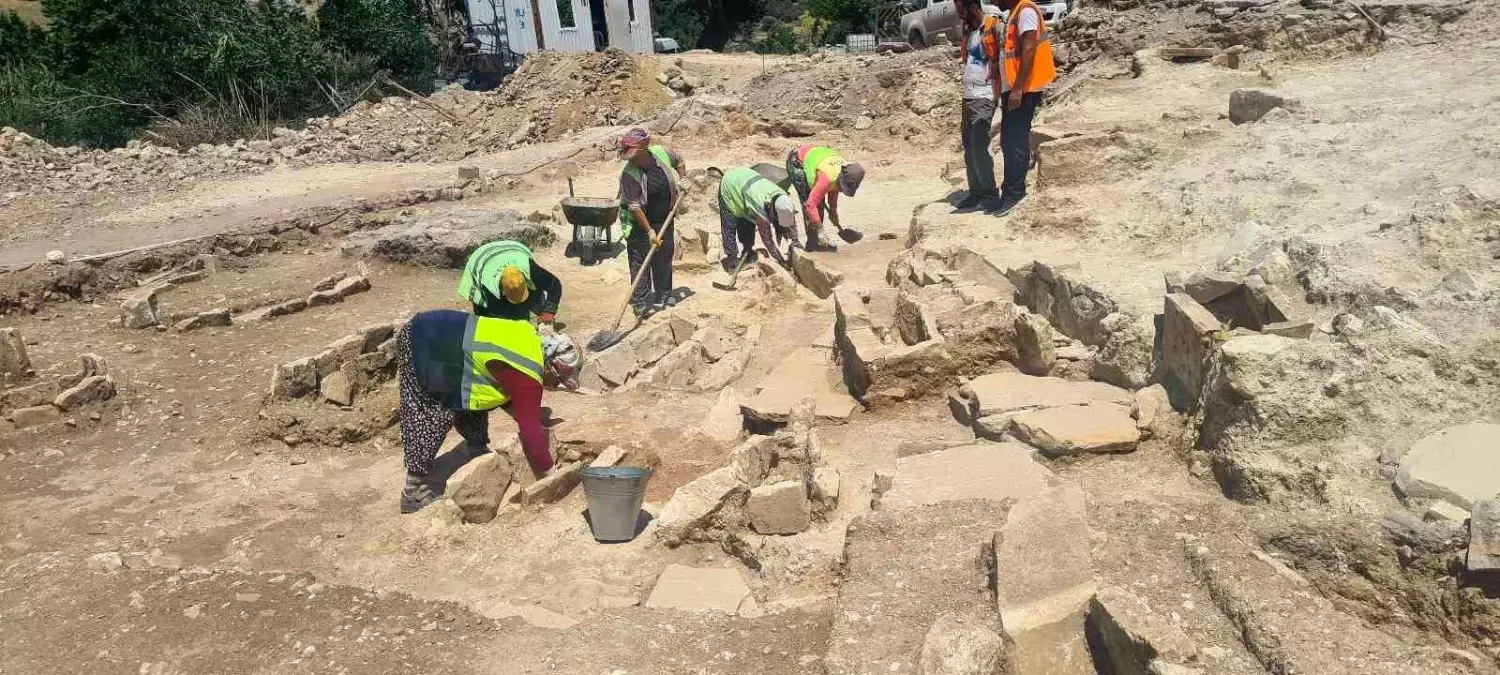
[775,174]
[591,218]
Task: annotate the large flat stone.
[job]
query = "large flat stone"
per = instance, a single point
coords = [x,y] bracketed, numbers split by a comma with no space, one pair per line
[724,422]
[696,589]
[479,487]
[956,645]
[1459,464]
[1044,569]
[1012,392]
[994,472]
[903,569]
[617,364]
[652,343]
[808,371]
[1077,429]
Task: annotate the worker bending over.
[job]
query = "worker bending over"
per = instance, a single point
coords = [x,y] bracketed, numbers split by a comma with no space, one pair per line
[748,202]
[503,281]
[453,368]
[820,174]
[648,194]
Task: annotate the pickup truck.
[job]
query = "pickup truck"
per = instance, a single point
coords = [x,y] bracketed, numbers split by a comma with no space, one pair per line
[930,18]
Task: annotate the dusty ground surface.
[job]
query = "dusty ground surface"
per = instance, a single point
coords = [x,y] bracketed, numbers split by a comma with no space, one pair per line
[165,531]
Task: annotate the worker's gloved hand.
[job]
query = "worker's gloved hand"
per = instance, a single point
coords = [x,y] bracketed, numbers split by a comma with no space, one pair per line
[544,325]
[656,241]
[546,318]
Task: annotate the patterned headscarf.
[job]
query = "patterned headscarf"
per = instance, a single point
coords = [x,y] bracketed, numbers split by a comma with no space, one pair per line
[634,139]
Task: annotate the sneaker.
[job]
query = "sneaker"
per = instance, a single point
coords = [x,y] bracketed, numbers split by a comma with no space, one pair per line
[418,493]
[643,312]
[1005,207]
[968,204]
[667,300]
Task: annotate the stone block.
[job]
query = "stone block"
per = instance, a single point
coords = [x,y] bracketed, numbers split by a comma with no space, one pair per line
[651,343]
[826,484]
[377,334]
[779,508]
[93,389]
[1187,342]
[1299,330]
[1206,287]
[1077,430]
[1408,529]
[343,350]
[1133,636]
[35,416]
[617,364]
[1484,538]
[1459,464]
[350,286]
[717,342]
[817,278]
[752,460]
[690,512]
[321,298]
[554,486]
[1047,578]
[994,472]
[1443,512]
[139,310]
[479,487]
[1035,351]
[724,422]
[1249,105]
[338,387]
[295,379]
[284,308]
[681,367]
[695,589]
[1009,393]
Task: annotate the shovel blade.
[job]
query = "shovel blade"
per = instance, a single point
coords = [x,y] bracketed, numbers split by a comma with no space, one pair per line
[850,236]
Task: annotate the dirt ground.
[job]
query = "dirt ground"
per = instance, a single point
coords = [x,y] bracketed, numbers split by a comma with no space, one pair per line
[165,532]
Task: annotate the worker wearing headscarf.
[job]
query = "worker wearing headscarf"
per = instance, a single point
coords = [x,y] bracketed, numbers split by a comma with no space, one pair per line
[749,202]
[648,193]
[503,280]
[820,175]
[453,368]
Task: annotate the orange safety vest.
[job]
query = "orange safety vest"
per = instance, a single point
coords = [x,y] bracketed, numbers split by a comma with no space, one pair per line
[1043,68]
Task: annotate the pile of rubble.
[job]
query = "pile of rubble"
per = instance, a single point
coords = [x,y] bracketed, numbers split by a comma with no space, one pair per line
[673,350]
[773,485]
[902,94]
[443,239]
[550,96]
[33,399]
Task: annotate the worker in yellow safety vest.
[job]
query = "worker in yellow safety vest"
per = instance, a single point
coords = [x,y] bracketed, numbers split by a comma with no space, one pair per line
[1029,67]
[820,175]
[453,368]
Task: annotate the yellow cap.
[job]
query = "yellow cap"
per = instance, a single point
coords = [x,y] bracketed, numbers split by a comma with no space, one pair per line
[513,285]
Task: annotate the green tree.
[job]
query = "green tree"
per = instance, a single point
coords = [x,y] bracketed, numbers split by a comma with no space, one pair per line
[20,42]
[706,24]
[779,39]
[842,17]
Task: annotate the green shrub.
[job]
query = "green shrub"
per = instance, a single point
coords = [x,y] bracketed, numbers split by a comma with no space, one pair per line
[201,70]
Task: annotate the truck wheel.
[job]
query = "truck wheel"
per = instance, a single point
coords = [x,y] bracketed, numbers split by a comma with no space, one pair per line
[916,40]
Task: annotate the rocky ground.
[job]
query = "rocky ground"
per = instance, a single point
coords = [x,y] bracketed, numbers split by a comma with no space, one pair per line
[1216,399]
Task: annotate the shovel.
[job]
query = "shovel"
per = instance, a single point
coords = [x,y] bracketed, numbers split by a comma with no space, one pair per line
[734,278]
[608,338]
[849,236]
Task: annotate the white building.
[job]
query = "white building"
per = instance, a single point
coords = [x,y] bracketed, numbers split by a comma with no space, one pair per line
[525,26]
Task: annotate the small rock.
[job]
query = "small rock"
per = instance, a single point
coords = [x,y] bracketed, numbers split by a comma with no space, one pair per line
[337,389]
[863,122]
[57,257]
[351,286]
[94,389]
[109,561]
[954,646]
[1036,353]
[35,416]
[1249,105]
[1445,513]
[295,379]
[1484,537]
[481,485]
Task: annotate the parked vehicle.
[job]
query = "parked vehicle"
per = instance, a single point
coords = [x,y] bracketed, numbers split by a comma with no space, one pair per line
[931,18]
[666,45]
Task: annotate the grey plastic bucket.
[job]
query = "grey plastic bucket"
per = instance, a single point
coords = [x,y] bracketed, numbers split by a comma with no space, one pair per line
[615,494]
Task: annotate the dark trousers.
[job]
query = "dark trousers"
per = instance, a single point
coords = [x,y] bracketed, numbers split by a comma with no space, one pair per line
[1015,144]
[658,278]
[798,175]
[978,115]
[731,228]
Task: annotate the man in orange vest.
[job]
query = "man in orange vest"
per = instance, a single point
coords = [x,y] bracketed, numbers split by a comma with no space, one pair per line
[1028,69]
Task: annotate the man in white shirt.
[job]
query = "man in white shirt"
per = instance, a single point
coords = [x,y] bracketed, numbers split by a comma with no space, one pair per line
[982,81]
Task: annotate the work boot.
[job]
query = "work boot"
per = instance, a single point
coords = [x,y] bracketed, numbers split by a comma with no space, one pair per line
[817,245]
[417,494]
[1005,207]
[969,203]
